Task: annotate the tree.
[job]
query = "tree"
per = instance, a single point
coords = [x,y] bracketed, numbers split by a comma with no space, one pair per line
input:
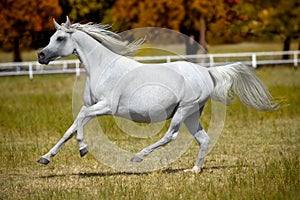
[194,18]
[140,13]
[283,19]
[199,16]
[20,19]
[271,19]
[87,10]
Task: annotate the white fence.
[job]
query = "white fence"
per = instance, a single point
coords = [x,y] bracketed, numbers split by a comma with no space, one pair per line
[209,60]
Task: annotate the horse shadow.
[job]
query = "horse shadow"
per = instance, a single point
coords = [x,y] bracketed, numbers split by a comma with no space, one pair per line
[115,174]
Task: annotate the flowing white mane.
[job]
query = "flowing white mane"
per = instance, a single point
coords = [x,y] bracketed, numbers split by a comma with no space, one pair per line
[106,37]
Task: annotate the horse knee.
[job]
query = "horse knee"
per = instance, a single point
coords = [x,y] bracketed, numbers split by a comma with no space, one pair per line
[167,139]
[202,138]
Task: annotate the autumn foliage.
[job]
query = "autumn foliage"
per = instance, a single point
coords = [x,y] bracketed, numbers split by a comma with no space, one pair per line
[20,19]
[207,21]
[197,18]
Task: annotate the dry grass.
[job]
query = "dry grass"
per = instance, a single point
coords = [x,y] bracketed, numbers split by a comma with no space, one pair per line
[256,157]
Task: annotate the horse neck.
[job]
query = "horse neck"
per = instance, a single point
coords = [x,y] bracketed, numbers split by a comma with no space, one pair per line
[93,55]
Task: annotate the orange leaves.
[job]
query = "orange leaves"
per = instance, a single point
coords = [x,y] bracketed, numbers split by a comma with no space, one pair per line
[19,16]
[166,13]
[192,17]
[23,15]
[137,13]
[20,19]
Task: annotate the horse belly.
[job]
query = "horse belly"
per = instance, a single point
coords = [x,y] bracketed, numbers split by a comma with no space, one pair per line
[148,103]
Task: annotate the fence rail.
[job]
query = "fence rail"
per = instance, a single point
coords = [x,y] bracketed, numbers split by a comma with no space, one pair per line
[209,60]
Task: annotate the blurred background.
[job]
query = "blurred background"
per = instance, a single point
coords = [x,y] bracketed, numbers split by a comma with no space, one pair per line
[27,24]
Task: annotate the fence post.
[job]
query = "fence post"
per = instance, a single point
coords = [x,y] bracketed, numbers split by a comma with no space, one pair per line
[168,59]
[65,66]
[211,60]
[77,69]
[295,58]
[254,63]
[30,71]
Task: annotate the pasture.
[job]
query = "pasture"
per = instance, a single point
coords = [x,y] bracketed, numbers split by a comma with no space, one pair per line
[256,157]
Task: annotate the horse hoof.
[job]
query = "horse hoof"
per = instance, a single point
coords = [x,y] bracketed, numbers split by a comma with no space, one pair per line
[136,159]
[83,151]
[195,170]
[43,161]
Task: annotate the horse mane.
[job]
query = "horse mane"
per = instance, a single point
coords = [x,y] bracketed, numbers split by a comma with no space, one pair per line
[109,39]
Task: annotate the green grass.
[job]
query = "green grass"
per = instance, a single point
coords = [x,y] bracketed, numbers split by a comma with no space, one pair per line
[249,47]
[256,157]
[26,56]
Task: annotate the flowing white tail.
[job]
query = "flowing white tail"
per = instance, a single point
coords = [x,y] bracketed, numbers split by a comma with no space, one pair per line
[240,79]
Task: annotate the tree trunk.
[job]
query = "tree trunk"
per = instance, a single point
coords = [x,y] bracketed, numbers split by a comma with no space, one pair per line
[192,47]
[286,47]
[202,38]
[17,53]
[202,30]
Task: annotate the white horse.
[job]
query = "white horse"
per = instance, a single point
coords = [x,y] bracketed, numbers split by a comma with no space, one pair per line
[117,85]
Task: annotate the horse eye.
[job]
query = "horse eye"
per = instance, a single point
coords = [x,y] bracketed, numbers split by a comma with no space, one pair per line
[60,38]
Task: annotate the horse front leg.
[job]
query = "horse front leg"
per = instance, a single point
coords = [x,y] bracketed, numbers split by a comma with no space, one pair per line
[83,147]
[45,159]
[84,116]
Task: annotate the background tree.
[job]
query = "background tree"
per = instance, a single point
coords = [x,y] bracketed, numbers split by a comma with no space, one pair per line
[20,19]
[194,18]
[87,10]
[199,16]
[277,19]
[140,13]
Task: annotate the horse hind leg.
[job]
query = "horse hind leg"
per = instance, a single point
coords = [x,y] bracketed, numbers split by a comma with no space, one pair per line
[193,125]
[170,135]
[203,140]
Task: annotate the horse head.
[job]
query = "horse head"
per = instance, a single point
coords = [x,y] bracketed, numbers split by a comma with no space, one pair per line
[60,45]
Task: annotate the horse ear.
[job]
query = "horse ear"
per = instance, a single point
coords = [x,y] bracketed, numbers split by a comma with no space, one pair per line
[57,26]
[68,23]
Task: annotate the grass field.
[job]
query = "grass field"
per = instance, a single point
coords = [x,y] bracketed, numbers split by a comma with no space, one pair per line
[256,157]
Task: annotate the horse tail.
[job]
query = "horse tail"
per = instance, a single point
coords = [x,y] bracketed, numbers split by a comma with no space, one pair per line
[239,79]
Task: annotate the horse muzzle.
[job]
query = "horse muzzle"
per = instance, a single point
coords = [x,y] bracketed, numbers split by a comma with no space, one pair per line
[42,58]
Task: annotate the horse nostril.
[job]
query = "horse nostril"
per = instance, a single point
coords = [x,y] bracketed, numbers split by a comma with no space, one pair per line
[41,55]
